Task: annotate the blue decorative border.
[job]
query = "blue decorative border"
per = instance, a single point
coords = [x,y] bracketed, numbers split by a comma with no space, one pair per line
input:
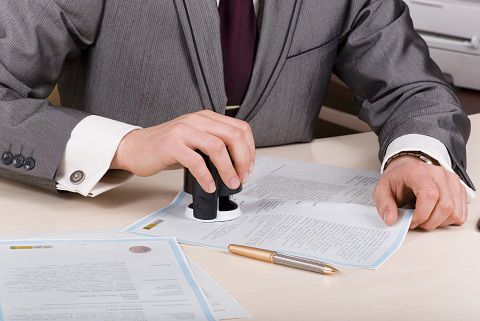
[171,242]
[188,275]
[155,214]
[401,236]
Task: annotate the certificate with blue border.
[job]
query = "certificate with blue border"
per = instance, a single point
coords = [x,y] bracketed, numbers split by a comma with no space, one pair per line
[25,261]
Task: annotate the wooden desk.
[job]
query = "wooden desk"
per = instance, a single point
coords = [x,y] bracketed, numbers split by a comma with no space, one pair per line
[434,276]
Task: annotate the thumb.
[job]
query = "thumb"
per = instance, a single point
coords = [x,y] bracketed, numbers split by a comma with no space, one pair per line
[385,202]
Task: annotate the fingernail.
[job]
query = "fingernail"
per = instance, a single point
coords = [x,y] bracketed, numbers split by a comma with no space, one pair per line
[385,217]
[211,187]
[245,177]
[234,182]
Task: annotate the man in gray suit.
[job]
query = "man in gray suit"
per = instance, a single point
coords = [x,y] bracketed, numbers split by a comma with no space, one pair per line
[146,83]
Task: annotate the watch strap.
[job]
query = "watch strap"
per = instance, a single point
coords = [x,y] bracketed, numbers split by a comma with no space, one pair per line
[424,157]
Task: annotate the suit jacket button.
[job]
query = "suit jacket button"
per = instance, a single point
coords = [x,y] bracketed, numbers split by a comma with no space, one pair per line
[18,161]
[7,158]
[29,164]
[77,177]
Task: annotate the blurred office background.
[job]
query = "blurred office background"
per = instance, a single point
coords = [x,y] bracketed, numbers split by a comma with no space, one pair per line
[451,29]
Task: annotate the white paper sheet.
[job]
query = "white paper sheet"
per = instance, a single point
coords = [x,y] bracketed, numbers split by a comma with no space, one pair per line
[224,306]
[290,219]
[97,280]
[283,179]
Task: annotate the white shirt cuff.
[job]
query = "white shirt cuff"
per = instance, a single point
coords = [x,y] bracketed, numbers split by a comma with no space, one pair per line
[88,155]
[428,145]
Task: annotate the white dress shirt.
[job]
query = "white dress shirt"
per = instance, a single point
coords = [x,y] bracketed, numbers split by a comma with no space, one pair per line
[95,140]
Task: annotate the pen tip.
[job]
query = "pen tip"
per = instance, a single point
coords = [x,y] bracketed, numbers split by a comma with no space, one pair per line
[330,270]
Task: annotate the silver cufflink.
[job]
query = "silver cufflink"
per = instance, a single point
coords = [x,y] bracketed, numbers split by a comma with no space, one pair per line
[77,177]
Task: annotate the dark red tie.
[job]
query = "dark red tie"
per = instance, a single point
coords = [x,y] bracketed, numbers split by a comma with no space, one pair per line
[238,29]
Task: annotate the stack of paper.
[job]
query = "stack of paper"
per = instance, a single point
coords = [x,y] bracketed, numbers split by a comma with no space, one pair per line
[106,277]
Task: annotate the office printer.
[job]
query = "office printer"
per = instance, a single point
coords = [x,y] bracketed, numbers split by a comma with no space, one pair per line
[451,29]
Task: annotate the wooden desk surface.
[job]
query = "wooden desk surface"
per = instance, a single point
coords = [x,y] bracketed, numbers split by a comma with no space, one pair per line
[434,276]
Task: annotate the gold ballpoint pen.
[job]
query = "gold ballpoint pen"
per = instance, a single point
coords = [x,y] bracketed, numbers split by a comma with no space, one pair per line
[297,262]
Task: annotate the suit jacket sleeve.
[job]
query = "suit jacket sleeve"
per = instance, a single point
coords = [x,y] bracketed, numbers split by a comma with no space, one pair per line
[399,89]
[36,37]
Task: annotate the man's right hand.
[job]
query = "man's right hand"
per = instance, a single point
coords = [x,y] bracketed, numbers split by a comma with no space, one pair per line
[227,141]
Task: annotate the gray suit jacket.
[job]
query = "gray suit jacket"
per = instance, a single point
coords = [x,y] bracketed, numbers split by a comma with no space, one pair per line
[145,62]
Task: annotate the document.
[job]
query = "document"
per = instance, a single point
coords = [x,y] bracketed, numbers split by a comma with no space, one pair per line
[98,280]
[342,229]
[224,306]
[282,179]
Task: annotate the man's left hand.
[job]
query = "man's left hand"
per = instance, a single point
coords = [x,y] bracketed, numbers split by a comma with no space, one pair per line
[440,199]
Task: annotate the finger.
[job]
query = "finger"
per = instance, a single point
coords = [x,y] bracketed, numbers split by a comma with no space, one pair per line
[216,150]
[244,126]
[196,165]
[425,191]
[464,202]
[445,206]
[234,139]
[210,145]
[385,201]
[459,213]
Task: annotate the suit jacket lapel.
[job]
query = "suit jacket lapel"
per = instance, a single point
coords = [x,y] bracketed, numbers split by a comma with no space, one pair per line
[278,19]
[201,25]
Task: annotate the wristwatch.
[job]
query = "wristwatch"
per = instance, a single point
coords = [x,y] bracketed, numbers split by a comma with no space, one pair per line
[424,157]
